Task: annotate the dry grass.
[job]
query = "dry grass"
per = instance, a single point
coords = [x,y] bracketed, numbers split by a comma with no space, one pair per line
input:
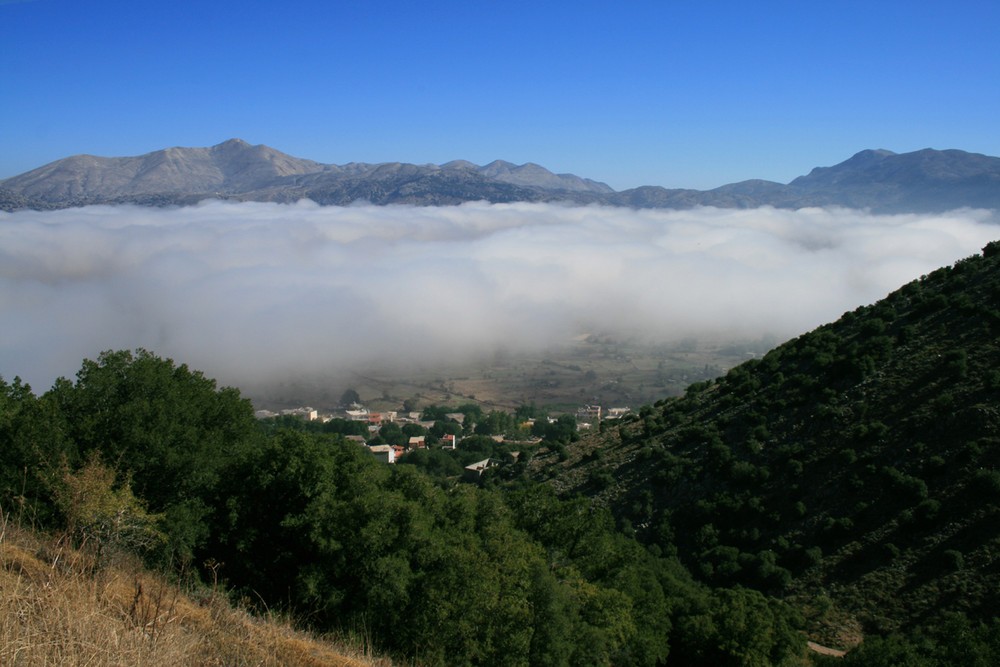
[57,607]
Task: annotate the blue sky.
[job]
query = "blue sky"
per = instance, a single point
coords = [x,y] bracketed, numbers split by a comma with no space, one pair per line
[679,94]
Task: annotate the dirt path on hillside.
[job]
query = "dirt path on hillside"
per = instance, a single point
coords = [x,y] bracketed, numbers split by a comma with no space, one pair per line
[826,650]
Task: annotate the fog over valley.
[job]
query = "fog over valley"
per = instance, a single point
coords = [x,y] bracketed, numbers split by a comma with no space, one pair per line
[250,292]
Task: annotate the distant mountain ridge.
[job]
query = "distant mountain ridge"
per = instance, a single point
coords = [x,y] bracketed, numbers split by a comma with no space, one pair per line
[880,180]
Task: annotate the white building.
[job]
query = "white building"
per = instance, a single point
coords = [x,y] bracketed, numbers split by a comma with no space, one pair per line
[308,414]
[384,453]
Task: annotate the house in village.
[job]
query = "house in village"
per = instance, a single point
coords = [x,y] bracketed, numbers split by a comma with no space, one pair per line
[448,441]
[307,414]
[473,472]
[379,418]
[588,415]
[384,453]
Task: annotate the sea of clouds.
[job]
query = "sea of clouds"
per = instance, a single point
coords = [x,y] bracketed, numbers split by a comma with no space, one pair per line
[248,291]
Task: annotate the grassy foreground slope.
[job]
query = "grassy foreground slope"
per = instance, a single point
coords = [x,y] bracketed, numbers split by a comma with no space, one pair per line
[853,471]
[58,606]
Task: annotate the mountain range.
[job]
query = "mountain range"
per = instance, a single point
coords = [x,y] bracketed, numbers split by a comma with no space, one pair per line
[885,182]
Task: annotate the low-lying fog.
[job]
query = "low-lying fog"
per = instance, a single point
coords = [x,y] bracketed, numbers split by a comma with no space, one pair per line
[247,291]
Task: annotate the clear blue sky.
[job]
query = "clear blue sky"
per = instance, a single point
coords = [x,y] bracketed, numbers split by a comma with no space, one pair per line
[679,94]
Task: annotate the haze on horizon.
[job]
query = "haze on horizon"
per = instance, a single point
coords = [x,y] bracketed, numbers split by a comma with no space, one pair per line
[252,293]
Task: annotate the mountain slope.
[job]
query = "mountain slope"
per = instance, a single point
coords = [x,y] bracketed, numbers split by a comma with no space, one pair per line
[235,169]
[533,175]
[885,182]
[232,166]
[854,470]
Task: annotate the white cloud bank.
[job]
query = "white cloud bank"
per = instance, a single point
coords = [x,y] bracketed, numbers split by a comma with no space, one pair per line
[249,290]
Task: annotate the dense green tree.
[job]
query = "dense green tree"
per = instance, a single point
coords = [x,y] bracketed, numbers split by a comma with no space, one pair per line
[433,462]
[563,429]
[412,430]
[442,428]
[497,422]
[345,427]
[170,429]
[742,627]
[434,413]
[391,433]
[35,451]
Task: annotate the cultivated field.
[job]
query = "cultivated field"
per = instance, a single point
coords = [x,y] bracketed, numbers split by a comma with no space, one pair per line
[592,369]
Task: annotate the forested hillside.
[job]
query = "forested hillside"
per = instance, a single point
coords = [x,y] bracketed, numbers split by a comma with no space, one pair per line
[142,455]
[853,472]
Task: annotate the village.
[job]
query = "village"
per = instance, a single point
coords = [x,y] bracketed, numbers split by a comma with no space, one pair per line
[390,435]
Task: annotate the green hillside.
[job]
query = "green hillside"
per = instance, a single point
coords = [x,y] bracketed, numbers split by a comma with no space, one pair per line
[139,456]
[853,471]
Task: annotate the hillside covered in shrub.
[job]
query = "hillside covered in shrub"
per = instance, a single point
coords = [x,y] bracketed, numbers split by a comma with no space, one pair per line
[853,471]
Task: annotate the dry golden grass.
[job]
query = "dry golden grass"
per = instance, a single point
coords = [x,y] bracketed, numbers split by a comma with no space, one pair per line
[57,607]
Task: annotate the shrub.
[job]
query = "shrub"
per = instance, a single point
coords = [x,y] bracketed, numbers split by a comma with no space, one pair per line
[962,302]
[103,512]
[944,403]
[874,325]
[910,488]
[932,304]
[993,380]
[928,509]
[953,559]
[987,482]
[935,465]
[602,479]
[838,527]
[848,456]
[956,363]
